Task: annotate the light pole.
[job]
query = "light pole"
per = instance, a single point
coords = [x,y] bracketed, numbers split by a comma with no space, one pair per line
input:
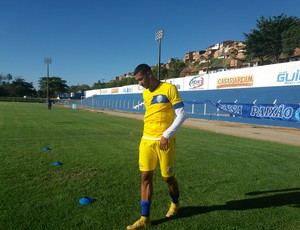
[158,37]
[47,61]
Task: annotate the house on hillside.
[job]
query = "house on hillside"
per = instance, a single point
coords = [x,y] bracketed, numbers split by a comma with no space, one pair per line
[224,50]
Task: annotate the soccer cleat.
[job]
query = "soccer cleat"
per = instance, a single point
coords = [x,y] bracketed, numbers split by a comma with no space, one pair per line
[144,222]
[172,210]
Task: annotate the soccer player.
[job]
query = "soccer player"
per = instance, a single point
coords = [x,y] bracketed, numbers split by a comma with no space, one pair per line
[164,115]
[49,104]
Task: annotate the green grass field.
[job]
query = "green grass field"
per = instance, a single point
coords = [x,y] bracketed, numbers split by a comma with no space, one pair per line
[226,182]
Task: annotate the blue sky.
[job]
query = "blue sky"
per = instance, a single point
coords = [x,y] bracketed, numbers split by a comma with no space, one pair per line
[92,40]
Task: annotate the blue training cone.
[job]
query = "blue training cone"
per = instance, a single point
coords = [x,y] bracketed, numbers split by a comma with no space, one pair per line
[85,200]
[57,163]
[46,148]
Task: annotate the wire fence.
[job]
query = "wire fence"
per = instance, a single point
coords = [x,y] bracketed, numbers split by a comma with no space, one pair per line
[23,99]
[136,105]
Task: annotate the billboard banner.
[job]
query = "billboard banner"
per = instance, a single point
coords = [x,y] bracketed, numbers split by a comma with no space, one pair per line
[127,89]
[178,82]
[105,91]
[235,81]
[197,82]
[90,93]
[282,74]
[287,112]
[115,90]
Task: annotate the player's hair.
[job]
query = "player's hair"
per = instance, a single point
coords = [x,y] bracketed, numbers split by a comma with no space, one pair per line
[142,68]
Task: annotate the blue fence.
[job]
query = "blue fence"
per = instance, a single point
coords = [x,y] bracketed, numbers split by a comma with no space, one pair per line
[196,106]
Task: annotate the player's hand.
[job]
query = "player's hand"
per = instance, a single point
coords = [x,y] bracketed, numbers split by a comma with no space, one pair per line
[164,143]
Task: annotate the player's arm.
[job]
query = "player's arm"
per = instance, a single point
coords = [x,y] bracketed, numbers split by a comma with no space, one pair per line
[180,118]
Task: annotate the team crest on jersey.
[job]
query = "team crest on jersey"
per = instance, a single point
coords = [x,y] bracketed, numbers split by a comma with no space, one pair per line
[159,99]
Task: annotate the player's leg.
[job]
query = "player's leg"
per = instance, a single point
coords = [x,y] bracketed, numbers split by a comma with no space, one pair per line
[147,163]
[174,193]
[173,188]
[147,185]
[145,202]
[167,159]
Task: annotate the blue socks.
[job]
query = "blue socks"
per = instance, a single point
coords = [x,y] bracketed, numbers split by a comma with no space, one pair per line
[175,198]
[145,204]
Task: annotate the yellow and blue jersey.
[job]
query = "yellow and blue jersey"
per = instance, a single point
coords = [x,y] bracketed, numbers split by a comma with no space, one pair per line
[160,108]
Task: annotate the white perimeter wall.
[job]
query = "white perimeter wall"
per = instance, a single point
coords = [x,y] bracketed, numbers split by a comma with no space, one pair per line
[282,74]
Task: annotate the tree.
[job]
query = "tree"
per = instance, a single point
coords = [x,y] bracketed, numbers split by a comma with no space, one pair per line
[4,91]
[56,86]
[78,88]
[291,39]
[175,67]
[162,71]
[19,88]
[4,86]
[129,80]
[266,41]
[99,85]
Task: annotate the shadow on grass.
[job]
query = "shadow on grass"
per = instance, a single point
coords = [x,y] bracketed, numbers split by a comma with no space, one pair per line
[289,197]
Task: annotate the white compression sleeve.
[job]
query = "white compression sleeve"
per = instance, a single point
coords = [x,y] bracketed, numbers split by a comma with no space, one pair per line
[180,118]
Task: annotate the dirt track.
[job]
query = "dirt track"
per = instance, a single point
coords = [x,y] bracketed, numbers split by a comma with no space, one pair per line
[275,134]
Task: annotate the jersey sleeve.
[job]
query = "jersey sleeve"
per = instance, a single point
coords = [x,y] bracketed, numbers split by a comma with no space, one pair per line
[175,98]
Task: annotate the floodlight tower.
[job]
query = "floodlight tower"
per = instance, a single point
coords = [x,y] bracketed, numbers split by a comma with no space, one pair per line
[47,61]
[158,37]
